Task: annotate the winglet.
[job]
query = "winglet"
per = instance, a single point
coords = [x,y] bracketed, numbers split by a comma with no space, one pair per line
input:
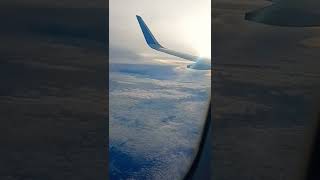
[150,39]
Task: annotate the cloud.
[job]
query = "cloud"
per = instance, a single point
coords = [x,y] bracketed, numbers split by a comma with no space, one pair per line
[152,104]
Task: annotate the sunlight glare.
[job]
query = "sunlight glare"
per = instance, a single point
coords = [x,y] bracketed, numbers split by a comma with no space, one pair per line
[197,30]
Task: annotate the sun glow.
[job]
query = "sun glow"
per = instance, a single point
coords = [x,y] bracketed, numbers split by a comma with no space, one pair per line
[197,31]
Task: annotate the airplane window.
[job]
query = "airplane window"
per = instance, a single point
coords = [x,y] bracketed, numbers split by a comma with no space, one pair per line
[158,92]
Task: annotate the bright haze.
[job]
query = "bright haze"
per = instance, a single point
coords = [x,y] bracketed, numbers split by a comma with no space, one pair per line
[184,26]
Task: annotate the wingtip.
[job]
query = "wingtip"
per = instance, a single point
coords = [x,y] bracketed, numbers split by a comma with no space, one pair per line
[150,39]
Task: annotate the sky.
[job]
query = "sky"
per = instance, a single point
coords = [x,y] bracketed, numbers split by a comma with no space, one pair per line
[180,25]
[157,105]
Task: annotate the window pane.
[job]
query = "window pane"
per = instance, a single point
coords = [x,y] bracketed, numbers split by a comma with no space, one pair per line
[157,104]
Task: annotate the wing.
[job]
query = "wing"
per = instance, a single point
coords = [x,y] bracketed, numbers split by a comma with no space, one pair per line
[154,44]
[296,13]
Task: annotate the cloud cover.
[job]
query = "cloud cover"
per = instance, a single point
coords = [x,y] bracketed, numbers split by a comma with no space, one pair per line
[157,105]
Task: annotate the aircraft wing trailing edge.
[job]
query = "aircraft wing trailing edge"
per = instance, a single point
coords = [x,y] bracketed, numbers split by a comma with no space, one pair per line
[199,62]
[294,13]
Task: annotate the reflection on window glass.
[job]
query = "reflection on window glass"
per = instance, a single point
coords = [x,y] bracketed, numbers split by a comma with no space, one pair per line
[157,104]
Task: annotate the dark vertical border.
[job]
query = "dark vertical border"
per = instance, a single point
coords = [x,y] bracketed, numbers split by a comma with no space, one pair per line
[107,90]
[42,138]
